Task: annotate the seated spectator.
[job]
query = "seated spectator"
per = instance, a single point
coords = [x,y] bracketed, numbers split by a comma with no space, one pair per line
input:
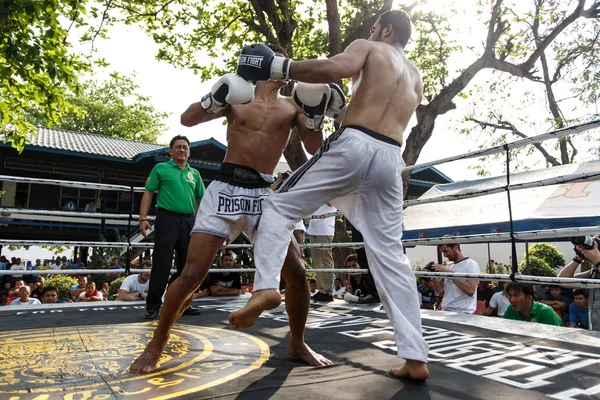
[312,287]
[13,293]
[243,290]
[114,264]
[135,287]
[225,283]
[38,289]
[76,290]
[485,292]
[559,303]
[90,207]
[4,293]
[578,310]
[50,296]
[70,206]
[356,290]
[523,307]
[77,264]
[338,289]
[24,299]
[104,289]
[498,303]
[91,293]
[427,294]
[18,266]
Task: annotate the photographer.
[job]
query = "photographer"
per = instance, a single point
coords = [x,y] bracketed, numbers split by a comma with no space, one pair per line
[586,248]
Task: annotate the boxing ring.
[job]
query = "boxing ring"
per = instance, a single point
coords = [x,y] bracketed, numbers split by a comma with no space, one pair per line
[83,351]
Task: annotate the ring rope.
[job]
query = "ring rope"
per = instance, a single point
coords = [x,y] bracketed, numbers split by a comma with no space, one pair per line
[135,270]
[586,126]
[75,184]
[573,178]
[5,212]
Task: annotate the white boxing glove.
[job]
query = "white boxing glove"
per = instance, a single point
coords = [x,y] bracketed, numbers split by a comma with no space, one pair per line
[229,89]
[318,101]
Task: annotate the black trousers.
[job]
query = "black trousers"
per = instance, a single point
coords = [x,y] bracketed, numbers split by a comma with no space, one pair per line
[171,234]
[362,261]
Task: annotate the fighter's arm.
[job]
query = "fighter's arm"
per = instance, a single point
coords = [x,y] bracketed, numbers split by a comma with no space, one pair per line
[343,65]
[312,140]
[195,115]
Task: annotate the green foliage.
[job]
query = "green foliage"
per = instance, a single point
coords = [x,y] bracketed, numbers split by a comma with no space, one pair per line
[494,267]
[548,253]
[63,283]
[536,267]
[112,108]
[114,287]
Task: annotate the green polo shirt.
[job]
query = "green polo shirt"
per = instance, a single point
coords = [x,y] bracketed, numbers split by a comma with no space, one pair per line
[540,313]
[178,189]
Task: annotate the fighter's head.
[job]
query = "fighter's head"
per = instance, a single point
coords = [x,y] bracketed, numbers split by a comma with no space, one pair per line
[392,27]
[279,52]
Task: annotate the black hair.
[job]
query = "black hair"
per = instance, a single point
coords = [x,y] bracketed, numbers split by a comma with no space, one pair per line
[312,281]
[49,289]
[400,22]
[176,138]
[278,49]
[521,287]
[582,292]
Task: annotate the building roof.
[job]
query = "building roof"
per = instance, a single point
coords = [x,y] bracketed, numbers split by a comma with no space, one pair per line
[89,143]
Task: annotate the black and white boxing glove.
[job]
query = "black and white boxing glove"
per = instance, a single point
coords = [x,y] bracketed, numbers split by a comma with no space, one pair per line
[318,101]
[229,89]
[258,62]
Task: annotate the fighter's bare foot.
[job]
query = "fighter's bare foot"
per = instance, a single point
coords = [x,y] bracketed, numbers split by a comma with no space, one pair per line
[260,301]
[302,351]
[415,370]
[147,361]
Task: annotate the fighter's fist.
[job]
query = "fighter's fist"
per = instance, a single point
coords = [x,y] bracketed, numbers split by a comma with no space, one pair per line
[229,89]
[318,101]
[258,62]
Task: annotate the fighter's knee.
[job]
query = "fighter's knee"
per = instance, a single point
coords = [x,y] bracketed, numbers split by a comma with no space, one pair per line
[294,273]
[192,277]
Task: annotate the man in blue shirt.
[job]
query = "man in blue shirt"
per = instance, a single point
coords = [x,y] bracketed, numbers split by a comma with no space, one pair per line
[578,310]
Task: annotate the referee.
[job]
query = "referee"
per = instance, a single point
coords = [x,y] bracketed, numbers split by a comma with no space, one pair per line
[180,189]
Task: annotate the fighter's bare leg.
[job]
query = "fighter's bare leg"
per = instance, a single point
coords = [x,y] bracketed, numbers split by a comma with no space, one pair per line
[260,301]
[297,301]
[412,369]
[201,253]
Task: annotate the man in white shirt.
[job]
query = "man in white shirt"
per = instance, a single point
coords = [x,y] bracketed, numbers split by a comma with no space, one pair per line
[18,266]
[135,287]
[460,295]
[91,293]
[498,303]
[321,230]
[24,299]
[338,289]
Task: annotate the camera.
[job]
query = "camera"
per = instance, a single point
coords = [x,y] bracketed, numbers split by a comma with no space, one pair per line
[586,241]
[429,266]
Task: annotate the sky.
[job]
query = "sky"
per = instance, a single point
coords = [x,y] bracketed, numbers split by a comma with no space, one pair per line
[130,51]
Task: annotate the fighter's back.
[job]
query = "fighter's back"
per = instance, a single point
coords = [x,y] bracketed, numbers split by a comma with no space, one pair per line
[390,90]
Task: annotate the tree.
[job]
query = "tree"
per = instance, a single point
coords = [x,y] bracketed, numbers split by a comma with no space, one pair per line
[569,66]
[536,267]
[548,253]
[112,108]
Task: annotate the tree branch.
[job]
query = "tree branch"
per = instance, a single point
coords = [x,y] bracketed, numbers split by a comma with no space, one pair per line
[262,22]
[507,126]
[139,14]
[362,32]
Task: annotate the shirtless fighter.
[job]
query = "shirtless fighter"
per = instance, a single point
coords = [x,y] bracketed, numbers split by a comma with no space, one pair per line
[259,126]
[358,170]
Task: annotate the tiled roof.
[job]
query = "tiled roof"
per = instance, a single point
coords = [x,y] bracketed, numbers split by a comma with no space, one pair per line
[90,143]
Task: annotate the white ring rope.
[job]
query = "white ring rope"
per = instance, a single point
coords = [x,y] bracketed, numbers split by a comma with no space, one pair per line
[75,184]
[586,126]
[575,282]
[6,212]
[584,176]
[482,238]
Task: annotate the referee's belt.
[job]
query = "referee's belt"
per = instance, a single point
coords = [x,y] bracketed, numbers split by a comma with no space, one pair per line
[242,176]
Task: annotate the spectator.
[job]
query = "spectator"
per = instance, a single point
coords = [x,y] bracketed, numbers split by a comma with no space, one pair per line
[90,207]
[338,289]
[135,287]
[578,310]
[77,264]
[91,293]
[485,292]
[243,290]
[225,283]
[13,294]
[104,289]
[321,230]
[427,294]
[114,264]
[356,289]
[38,289]
[559,303]
[24,298]
[70,206]
[50,296]
[523,307]
[4,293]
[76,290]
[312,287]
[18,266]
[593,256]
[459,294]
[498,303]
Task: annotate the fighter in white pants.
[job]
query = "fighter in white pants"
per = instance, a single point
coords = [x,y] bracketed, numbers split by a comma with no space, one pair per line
[358,170]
